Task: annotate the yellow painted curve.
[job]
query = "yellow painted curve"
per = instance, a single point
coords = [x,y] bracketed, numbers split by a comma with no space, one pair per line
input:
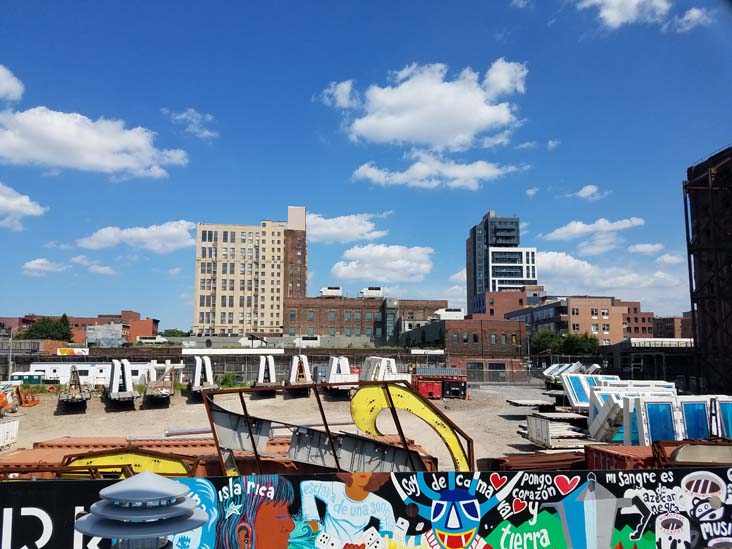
[139,462]
[370,401]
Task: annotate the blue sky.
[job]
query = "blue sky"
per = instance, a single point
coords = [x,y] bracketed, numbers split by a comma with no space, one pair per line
[397,124]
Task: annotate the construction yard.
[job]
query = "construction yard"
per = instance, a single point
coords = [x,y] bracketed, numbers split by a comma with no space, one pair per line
[487,418]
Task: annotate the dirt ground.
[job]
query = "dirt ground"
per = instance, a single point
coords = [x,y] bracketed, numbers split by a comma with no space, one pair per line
[487,418]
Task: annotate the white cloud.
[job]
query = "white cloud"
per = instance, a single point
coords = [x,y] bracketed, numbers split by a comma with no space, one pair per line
[599,243]
[500,139]
[524,228]
[55,245]
[552,144]
[15,206]
[195,122]
[161,239]
[384,263]
[11,89]
[457,296]
[616,13]
[174,271]
[520,4]
[344,228]
[505,78]
[645,249]
[459,277]
[526,145]
[40,136]
[670,259]
[694,17]
[430,171]
[663,292]
[575,229]
[341,95]
[531,191]
[590,192]
[42,267]
[424,108]
[92,265]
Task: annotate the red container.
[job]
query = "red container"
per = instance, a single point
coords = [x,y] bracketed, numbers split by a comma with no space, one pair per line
[430,388]
[619,457]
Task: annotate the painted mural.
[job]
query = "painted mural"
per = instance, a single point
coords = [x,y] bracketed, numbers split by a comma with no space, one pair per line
[646,509]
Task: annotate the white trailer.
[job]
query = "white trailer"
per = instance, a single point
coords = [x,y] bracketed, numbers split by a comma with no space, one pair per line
[203,377]
[90,373]
[376,368]
[121,388]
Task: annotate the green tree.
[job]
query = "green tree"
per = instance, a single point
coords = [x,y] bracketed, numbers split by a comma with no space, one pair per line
[174,332]
[583,344]
[64,329]
[48,328]
[546,341]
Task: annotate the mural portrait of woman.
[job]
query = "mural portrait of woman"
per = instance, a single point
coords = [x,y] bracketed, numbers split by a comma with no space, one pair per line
[350,506]
[254,514]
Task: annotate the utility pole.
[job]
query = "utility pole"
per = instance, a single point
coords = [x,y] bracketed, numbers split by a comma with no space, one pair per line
[10,354]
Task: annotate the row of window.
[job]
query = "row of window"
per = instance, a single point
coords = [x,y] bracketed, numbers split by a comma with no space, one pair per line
[347,332]
[230,236]
[208,318]
[593,312]
[476,338]
[347,315]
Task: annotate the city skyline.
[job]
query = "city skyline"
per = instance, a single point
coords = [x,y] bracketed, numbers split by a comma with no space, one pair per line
[395,146]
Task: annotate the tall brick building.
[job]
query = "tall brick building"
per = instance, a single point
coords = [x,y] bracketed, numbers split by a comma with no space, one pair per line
[244,273]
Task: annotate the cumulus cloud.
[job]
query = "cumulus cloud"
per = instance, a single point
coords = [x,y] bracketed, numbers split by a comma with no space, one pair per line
[56,245]
[575,229]
[552,144]
[162,239]
[11,89]
[384,263]
[341,95]
[692,18]
[520,4]
[670,259]
[531,191]
[15,206]
[615,13]
[40,136]
[526,145]
[194,122]
[498,140]
[42,267]
[92,265]
[590,192]
[645,249]
[459,277]
[665,292]
[429,171]
[344,228]
[423,107]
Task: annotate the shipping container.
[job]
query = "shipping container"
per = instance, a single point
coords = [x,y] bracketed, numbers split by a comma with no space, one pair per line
[430,388]
[8,432]
[27,379]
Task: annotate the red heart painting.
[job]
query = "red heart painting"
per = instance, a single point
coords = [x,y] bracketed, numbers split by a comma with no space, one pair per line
[497,480]
[519,505]
[565,485]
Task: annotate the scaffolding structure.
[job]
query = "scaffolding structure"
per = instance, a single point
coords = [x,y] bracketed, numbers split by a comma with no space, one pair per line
[708,215]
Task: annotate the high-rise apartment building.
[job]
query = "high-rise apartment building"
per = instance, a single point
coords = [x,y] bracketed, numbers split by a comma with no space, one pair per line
[494,260]
[244,272]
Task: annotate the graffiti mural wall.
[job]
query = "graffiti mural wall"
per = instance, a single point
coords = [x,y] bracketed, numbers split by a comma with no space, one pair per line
[661,509]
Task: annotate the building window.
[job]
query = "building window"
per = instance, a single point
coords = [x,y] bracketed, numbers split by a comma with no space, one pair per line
[311,315]
[593,312]
[226,235]
[378,316]
[606,328]
[503,339]
[293,315]
[311,331]
[490,301]
[455,337]
[369,331]
[606,342]
[410,315]
[378,331]
[575,311]
[331,315]
[493,339]
[331,332]
[492,312]
[347,332]
[594,328]
[368,315]
[358,332]
[575,327]
[475,338]
[605,313]
[292,330]
[514,340]
[348,315]
[358,315]
[465,337]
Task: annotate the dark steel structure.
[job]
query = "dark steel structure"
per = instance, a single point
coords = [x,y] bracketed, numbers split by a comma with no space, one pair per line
[708,212]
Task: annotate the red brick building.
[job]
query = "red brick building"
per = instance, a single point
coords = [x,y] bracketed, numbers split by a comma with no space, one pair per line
[636,322]
[672,326]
